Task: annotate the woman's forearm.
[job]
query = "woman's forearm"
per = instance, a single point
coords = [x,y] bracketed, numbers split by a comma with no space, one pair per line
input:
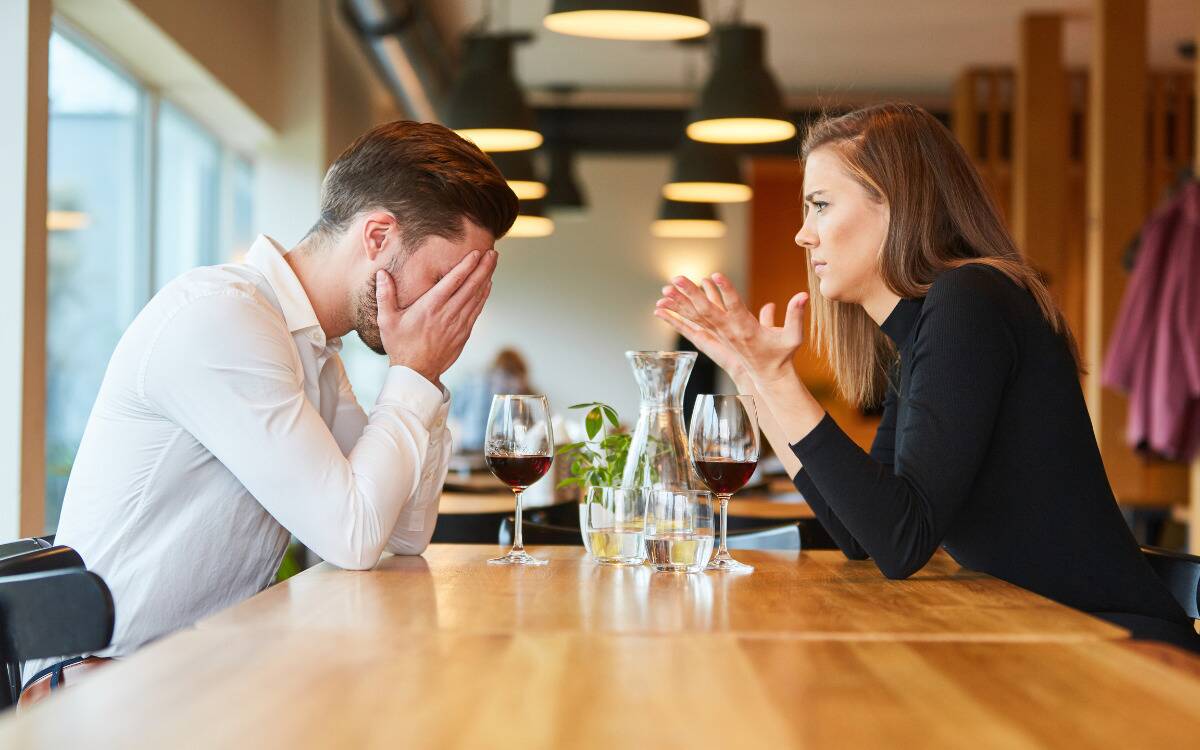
[795,411]
[769,426]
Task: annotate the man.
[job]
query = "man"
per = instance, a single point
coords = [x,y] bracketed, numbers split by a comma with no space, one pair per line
[225,422]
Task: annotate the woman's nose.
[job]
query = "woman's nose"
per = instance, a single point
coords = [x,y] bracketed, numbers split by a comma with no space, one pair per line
[806,238]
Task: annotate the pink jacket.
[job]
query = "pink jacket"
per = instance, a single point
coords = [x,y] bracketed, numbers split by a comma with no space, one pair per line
[1154,353]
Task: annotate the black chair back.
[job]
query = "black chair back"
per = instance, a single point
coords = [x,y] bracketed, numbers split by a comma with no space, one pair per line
[41,561]
[1181,574]
[49,606]
[21,546]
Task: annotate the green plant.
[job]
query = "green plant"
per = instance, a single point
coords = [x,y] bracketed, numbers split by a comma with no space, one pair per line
[598,462]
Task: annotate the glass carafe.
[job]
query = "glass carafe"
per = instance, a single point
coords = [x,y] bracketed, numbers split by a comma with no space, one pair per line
[658,455]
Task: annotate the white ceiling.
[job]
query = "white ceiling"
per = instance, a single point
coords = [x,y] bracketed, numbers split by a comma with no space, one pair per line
[826,47]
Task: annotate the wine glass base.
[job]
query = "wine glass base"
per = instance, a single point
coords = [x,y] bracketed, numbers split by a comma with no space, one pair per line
[517,558]
[729,565]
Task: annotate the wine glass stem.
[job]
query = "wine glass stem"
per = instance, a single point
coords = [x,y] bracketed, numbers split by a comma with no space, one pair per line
[723,551]
[518,544]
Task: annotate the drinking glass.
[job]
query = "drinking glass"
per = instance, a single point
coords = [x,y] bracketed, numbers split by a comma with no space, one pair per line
[679,529]
[724,443]
[613,522]
[518,448]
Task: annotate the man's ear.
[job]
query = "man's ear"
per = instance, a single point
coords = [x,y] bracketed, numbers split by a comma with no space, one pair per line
[377,227]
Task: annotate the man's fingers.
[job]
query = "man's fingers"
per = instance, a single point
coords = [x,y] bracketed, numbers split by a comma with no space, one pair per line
[766,316]
[385,294]
[479,277]
[450,283]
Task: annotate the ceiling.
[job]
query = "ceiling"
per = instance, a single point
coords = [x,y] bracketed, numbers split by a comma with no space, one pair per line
[830,48]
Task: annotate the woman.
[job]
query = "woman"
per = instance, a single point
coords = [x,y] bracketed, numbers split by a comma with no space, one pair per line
[922,302]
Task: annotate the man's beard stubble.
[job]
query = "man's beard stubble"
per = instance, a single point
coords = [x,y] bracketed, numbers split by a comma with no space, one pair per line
[366,311]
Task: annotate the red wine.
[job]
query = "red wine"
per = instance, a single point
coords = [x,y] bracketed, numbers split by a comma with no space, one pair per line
[724,476]
[518,472]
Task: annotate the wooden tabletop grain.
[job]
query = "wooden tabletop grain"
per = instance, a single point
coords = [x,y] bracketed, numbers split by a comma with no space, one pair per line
[354,689]
[809,650]
[814,595]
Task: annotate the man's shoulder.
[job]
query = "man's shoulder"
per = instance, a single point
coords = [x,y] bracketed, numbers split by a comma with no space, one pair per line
[225,288]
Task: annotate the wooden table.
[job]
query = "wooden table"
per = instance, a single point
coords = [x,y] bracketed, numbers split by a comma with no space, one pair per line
[812,596]
[809,650]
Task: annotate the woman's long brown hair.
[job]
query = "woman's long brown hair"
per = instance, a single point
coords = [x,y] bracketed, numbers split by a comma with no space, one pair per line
[941,217]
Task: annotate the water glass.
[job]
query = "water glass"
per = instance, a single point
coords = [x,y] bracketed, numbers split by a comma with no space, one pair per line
[613,523]
[679,529]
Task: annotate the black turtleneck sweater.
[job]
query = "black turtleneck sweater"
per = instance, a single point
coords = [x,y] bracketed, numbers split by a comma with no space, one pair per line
[985,448]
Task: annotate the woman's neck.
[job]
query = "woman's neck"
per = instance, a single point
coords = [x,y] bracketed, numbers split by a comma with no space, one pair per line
[880,305]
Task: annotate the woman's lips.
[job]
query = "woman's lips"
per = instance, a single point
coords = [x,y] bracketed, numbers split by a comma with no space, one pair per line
[818,266]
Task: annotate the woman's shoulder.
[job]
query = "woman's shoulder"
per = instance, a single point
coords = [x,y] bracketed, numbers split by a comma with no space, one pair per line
[977,287]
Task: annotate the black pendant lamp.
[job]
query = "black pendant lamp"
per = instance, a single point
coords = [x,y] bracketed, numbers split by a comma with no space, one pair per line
[486,105]
[636,20]
[531,221]
[518,170]
[706,173]
[741,102]
[687,220]
[562,189]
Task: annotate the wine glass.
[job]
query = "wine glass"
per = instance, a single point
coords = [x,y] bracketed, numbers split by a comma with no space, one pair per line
[518,448]
[724,445]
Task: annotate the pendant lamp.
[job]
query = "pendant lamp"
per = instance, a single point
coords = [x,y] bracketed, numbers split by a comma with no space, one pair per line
[687,220]
[636,20]
[486,105]
[562,189]
[531,221]
[741,102]
[517,168]
[706,173]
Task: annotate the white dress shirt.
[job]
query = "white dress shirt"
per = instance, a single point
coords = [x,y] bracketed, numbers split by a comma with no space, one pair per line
[224,424]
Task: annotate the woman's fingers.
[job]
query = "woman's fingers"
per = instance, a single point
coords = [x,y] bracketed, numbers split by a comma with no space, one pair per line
[766,316]
[732,300]
[713,294]
[695,295]
[678,302]
[793,319]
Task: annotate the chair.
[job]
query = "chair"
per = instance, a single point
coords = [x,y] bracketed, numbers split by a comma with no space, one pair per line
[785,537]
[49,606]
[21,546]
[540,533]
[1181,574]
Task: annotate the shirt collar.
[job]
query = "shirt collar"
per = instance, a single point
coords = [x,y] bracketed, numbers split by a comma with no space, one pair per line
[902,320]
[267,256]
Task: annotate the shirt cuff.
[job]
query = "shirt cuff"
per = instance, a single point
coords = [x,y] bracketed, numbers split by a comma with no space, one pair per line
[406,388]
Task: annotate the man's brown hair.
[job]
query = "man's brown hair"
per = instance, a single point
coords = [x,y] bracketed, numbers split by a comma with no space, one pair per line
[425,175]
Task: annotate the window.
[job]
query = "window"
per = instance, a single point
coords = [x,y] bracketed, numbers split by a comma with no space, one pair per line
[187,190]
[106,194]
[95,260]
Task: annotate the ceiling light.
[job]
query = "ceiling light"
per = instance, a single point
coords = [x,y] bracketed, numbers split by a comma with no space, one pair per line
[706,173]
[635,20]
[531,221]
[678,219]
[486,104]
[741,102]
[562,189]
[517,168]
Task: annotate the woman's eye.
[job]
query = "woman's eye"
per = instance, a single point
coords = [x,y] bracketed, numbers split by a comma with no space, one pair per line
[820,206]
